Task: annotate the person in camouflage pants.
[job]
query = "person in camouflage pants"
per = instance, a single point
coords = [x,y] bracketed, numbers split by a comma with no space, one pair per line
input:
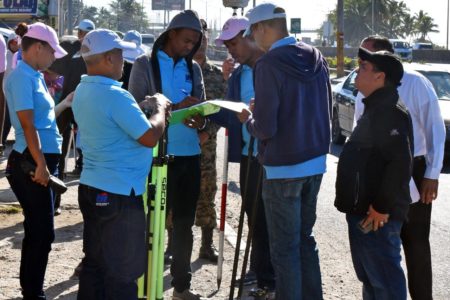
[215,87]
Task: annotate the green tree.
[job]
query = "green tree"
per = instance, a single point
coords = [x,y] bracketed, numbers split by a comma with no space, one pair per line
[127,15]
[424,25]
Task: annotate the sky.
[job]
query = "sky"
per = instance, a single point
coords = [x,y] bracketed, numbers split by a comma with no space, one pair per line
[312,12]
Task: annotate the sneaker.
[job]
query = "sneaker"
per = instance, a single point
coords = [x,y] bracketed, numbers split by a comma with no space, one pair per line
[249,279]
[262,293]
[57,211]
[186,295]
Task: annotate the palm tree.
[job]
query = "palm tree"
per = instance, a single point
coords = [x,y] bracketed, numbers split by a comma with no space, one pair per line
[409,26]
[425,25]
[392,23]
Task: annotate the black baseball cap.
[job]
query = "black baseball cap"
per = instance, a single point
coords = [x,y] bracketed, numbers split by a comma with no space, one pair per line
[386,62]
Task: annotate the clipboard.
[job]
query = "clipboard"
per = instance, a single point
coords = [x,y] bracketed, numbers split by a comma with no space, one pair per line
[205,109]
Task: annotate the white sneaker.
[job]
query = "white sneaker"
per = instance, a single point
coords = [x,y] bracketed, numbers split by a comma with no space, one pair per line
[186,295]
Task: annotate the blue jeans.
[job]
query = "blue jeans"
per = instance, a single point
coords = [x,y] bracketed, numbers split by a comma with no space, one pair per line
[113,244]
[290,206]
[37,204]
[376,259]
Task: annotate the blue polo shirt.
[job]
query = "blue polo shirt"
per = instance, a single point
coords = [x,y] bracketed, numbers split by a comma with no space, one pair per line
[110,122]
[26,90]
[315,166]
[247,94]
[176,85]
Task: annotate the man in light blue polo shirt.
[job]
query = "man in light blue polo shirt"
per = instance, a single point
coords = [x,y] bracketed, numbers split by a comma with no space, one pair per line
[170,70]
[291,120]
[116,143]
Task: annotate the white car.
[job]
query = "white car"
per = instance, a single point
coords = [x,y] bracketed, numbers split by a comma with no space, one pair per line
[402,48]
[344,95]
[5,32]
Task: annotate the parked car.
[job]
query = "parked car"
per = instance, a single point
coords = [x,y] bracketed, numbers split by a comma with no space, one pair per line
[5,32]
[344,95]
[148,40]
[422,46]
[402,48]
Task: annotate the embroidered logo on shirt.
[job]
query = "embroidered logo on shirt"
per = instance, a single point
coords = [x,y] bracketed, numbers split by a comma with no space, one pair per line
[394,132]
[102,199]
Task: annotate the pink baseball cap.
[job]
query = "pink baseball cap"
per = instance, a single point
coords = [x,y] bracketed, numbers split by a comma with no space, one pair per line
[231,29]
[45,33]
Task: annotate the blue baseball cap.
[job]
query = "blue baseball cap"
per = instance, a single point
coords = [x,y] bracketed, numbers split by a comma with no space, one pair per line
[133,36]
[103,40]
[86,25]
[262,12]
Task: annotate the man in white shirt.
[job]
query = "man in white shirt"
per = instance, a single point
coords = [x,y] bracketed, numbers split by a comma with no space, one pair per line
[2,96]
[419,97]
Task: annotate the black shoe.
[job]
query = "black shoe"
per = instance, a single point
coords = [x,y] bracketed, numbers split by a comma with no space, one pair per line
[77,270]
[249,279]
[168,258]
[209,253]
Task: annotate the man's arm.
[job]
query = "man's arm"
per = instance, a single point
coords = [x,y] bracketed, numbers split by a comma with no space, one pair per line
[392,136]
[263,124]
[139,84]
[431,121]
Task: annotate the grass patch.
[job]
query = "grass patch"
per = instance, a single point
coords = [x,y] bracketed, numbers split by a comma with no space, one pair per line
[10,209]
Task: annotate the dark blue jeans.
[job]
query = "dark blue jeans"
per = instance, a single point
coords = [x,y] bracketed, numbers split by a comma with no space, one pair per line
[290,206]
[37,204]
[260,261]
[113,244]
[376,259]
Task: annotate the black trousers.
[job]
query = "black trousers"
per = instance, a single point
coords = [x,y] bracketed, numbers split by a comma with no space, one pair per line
[183,189]
[37,204]
[260,261]
[416,242]
[113,244]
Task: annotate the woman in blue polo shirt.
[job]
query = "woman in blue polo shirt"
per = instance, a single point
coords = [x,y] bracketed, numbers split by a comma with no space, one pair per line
[33,113]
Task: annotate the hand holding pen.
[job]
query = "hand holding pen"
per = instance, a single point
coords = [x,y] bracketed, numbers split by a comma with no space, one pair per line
[186,102]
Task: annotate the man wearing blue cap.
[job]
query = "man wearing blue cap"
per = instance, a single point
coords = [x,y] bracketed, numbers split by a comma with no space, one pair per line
[291,120]
[171,70]
[116,142]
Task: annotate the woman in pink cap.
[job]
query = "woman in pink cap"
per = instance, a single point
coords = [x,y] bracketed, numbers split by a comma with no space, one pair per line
[32,111]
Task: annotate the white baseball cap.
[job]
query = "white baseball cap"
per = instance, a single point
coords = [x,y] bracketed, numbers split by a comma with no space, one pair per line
[231,28]
[262,12]
[103,40]
[86,25]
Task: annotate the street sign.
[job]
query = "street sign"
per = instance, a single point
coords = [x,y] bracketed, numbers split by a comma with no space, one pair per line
[296,25]
[167,4]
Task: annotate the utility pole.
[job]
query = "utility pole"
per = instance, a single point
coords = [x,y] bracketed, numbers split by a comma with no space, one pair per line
[448,8]
[373,17]
[340,39]
[69,17]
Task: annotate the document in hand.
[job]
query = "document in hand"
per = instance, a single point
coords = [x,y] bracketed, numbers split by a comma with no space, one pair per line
[205,108]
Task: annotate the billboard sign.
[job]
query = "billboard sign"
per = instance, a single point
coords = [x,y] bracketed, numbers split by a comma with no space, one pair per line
[167,4]
[296,25]
[28,7]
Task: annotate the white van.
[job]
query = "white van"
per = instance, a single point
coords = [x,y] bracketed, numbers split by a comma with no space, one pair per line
[402,48]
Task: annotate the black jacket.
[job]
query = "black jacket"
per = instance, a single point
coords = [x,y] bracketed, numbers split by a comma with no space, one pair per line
[375,165]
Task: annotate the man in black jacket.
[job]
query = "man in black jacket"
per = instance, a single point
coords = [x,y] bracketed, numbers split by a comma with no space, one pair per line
[372,184]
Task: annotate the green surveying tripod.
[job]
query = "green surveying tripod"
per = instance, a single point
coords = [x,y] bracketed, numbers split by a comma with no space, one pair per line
[150,285]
